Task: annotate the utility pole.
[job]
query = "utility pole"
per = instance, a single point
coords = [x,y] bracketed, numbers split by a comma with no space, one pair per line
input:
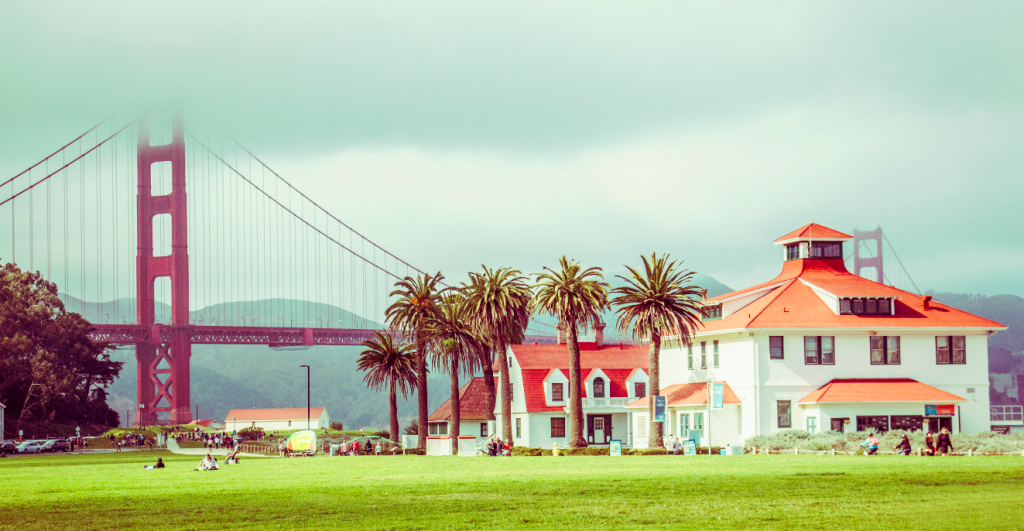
[307,395]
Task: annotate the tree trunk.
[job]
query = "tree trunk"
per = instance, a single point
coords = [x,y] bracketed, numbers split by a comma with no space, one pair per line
[576,438]
[492,391]
[506,394]
[456,407]
[656,438]
[421,394]
[394,413]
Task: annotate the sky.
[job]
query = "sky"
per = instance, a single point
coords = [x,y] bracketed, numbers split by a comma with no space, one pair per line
[456,134]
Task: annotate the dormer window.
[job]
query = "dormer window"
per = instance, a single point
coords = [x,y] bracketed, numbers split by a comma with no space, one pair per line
[557,393]
[712,312]
[826,249]
[598,387]
[863,306]
[792,251]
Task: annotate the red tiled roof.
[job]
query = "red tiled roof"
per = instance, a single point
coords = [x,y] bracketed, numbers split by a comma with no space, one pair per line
[472,403]
[793,304]
[291,413]
[537,361]
[689,394]
[878,390]
[813,230]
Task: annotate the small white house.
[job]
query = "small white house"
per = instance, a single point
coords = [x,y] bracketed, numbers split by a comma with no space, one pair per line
[283,419]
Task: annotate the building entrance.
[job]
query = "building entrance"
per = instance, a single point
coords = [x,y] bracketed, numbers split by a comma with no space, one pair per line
[936,424]
[837,424]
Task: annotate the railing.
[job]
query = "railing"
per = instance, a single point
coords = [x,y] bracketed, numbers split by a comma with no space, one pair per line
[1007,414]
[607,402]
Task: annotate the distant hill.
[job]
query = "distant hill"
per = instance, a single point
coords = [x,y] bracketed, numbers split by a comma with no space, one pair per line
[1005,309]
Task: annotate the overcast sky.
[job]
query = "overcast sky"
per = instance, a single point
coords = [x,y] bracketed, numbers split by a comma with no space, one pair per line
[456,134]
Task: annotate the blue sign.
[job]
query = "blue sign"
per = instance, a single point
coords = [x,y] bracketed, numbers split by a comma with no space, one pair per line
[615,448]
[659,409]
[689,448]
[717,395]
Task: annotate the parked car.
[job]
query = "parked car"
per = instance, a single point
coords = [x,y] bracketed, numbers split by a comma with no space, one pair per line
[56,445]
[9,447]
[29,447]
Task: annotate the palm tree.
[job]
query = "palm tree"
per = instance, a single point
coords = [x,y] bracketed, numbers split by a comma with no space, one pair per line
[499,300]
[417,302]
[659,300]
[454,347]
[391,365]
[576,296]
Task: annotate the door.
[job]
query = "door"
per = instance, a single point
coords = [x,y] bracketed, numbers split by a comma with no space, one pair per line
[599,437]
[936,424]
[837,424]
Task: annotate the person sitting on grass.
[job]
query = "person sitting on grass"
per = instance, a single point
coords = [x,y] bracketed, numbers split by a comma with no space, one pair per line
[159,464]
[208,463]
[871,443]
[903,448]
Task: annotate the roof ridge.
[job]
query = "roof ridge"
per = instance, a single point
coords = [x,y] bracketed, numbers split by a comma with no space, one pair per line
[780,290]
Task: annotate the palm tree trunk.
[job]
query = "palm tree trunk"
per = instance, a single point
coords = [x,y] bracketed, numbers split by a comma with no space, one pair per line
[488,363]
[656,438]
[576,438]
[394,412]
[506,394]
[456,408]
[421,393]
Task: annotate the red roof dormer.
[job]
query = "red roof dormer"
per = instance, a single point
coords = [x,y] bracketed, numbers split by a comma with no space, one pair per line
[813,231]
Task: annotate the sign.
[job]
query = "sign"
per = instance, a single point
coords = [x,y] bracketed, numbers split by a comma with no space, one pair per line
[689,448]
[717,395]
[1005,430]
[659,409]
[302,441]
[939,409]
[615,448]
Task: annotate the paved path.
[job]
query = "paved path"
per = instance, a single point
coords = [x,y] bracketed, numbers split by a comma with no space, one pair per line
[172,445]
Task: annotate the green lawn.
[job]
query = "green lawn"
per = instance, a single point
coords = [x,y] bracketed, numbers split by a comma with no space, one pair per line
[657,492]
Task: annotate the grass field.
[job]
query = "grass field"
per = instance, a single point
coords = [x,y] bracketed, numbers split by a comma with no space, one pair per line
[112,491]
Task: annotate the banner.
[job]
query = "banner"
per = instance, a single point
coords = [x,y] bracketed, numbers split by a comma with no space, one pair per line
[659,409]
[939,409]
[717,395]
[302,441]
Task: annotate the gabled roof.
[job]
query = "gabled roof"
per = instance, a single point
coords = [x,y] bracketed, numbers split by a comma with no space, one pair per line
[538,361]
[878,390]
[813,231]
[472,403]
[290,413]
[206,423]
[688,394]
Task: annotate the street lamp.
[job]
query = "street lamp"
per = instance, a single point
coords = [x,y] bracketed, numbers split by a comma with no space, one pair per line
[307,395]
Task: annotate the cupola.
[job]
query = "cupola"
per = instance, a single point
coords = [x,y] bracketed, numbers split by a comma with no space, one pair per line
[813,241]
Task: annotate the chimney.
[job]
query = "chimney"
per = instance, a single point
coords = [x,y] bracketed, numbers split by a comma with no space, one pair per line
[561,334]
[599,334]
[926,302]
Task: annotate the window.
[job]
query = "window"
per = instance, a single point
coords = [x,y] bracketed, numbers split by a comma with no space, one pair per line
[826,249]
[703,354]
[876,424]
[639,389]
[714,349]
[792,251]
[711,313]
[775,347]
[483,429]
[698,421]
[819,350]
[557,392]
[433,429]
[641,427]
[812,424]
[784,419]
[442,428]
[689,357]
[519,428]
[885,350]
[289,423]
[558,426]
[907,422]
[684,423]
[865,307]
[599,423]
[598,387]
[950,349]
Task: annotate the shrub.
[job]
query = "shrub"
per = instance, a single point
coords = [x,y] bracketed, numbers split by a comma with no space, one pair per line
[527,451]
[849,442]
[650,451]
[588,450]
[337,426]
[251,434]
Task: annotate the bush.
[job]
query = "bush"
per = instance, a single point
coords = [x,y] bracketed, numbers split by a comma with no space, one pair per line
[650,451]
[251,434]
[337,426]
[984,442]
[527,451]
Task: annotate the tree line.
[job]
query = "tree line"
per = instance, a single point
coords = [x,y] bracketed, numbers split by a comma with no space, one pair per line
[51,372]
[465,329]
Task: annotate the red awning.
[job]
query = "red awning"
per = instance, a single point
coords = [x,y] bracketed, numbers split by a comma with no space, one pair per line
[878,390]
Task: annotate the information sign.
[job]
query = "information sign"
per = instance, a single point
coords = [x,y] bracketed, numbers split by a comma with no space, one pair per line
[659,409]
[717,395]
[939,409]
[615,448]
[689,448]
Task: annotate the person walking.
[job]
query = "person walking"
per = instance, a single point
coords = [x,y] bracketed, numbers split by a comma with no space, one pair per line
[929,444]
[903,448]
[945,444]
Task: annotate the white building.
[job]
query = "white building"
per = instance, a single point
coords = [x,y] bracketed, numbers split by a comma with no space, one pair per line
[819,348]
[475,422]
[283,419]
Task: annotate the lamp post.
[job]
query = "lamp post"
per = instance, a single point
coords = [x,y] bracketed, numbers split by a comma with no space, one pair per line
[307,395]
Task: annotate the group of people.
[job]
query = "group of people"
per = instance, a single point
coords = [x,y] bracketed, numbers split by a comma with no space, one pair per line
[940,445]
[353,448]
[215,441]
[131,440]
[497,447]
